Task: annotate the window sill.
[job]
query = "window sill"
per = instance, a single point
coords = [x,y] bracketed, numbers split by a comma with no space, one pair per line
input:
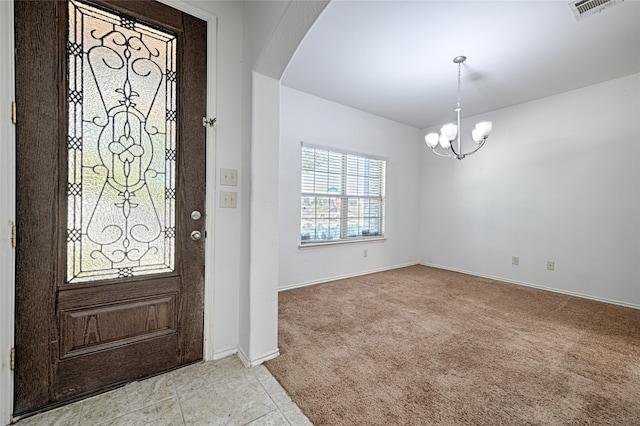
[337,242]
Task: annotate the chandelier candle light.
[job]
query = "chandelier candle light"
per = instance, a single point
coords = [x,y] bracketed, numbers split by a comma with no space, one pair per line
[451,131]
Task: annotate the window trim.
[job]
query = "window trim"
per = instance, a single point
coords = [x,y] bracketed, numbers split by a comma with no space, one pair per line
[352,240]
[349,240]
[344,151]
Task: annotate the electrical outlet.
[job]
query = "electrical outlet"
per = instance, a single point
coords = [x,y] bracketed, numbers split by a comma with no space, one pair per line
[228,199]
[515,260]
[551,265]
[229,177]
[366,253]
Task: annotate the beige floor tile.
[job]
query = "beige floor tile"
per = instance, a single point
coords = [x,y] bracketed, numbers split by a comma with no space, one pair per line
[207,374]
[274,418]
[149,391]
[271,385]
[226,404]
[294,415]
[127,399]
[221,392]
[104,407]
[69,415]
[163,413]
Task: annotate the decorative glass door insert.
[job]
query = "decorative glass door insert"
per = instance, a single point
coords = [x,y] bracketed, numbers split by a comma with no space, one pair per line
[121,146]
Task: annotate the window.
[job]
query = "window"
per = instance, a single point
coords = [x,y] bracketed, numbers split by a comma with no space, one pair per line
[121,146]
[342,196]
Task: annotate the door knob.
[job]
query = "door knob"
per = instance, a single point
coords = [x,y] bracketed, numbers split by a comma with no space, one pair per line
[196,235]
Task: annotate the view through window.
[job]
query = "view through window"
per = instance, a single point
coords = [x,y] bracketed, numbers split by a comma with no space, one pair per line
[342,196]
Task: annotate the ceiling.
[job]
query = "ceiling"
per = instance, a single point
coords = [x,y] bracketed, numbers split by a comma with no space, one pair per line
[394,59]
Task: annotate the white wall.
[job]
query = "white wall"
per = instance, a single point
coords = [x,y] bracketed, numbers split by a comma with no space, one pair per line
[320,122]
[222,266]
[272,31]
[261,343]
[559,179]
[259,20]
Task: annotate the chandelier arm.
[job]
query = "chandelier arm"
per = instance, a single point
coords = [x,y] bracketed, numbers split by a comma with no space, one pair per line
[457,154]
[480,145]
[441,155]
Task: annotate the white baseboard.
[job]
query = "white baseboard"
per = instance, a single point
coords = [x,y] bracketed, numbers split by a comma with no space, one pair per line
[541,287]
[224,353]
[255,362]
[341,277]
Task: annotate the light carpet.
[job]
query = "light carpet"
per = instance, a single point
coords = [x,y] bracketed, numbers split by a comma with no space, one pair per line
[424,346]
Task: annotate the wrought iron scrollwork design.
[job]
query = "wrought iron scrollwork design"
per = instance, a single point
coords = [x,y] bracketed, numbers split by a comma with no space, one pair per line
[122,113]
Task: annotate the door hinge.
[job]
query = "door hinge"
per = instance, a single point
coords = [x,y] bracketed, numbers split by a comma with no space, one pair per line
[13,236]
[208,121]
[12,359]
[13,112]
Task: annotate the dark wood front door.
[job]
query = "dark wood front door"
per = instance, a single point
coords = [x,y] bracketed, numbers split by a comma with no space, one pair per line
[110,171]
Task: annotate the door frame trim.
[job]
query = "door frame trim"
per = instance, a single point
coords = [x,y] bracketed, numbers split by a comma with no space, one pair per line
[7,209]
[8,193]
[209,253]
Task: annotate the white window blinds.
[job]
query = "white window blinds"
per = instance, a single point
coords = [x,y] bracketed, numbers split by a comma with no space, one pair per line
[342,196]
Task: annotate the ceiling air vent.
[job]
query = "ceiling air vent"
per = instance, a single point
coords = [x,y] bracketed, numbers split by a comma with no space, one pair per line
[583,8]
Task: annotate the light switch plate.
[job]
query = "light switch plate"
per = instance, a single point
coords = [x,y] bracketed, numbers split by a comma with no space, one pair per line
[228,199]
[229,177]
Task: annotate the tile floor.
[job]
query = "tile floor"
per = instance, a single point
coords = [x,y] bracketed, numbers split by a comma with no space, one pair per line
[222,392]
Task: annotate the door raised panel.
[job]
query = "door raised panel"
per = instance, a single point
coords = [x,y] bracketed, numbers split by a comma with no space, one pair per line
[87,330]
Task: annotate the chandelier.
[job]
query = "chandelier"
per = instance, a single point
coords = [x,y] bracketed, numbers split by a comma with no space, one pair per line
[451,132]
